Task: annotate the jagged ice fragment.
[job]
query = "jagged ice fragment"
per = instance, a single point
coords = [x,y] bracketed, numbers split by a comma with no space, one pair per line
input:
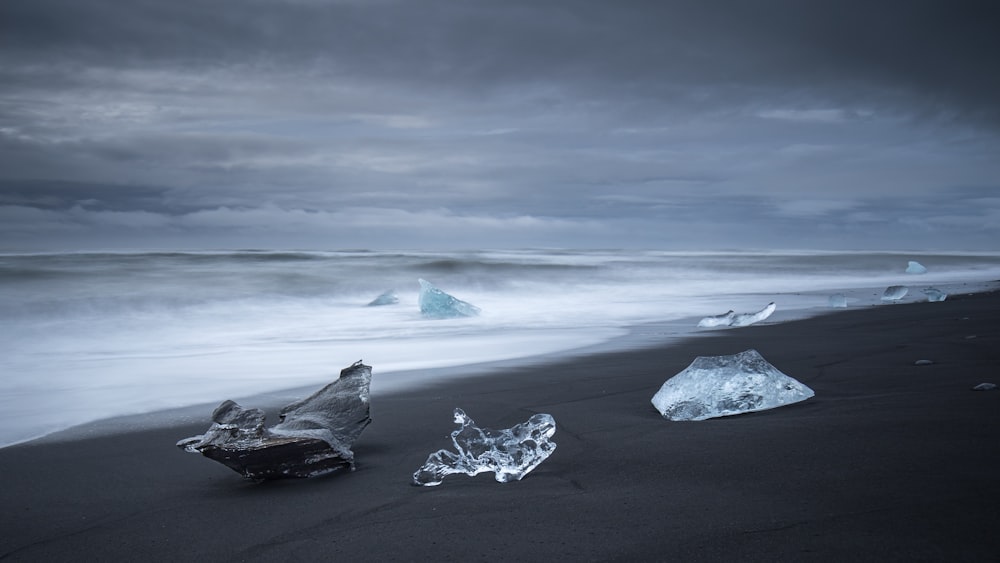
[387,298]
[510,453]
[894,292]
[730,318]
[915,268]
[724,319]
[714,386]
[436,304]
[935,295]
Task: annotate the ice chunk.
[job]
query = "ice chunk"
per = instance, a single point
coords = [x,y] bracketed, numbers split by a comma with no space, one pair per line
[314,437]
[724,319]
[934,294]
[732,319]
[437,304]
[915,268]
[714,386]
[894,292]
[838,300]
[387,298]
[985,387]
[510,453]
[923,363]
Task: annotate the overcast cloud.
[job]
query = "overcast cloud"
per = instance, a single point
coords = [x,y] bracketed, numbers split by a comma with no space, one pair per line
[467,124]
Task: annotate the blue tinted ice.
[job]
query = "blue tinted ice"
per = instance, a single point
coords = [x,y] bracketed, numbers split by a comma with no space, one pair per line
[510,453]
[838,300]
[732,319]
[437,304]
[387,298]
[934,294]
[894,292]
[714,386]
[724,319]
[915,268]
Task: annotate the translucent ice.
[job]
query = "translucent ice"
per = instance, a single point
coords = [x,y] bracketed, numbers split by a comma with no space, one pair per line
[510,453]
[437,304]
[894,292]
[838,300]
[732,319]
[714,386]
[915,268]
[934,294]
[387,298]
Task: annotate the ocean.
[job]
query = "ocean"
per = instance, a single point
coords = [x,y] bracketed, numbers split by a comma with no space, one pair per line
[89,336]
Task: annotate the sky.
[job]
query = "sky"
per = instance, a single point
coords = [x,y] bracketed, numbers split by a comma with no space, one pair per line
[467,124]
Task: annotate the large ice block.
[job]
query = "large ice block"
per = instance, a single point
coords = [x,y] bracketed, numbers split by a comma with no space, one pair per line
[714,386]
[437,304]
[510,453]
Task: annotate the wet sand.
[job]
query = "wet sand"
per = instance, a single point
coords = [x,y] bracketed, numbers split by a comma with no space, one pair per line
[890,461]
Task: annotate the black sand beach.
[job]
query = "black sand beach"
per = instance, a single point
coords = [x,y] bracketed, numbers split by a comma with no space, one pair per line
[890,461]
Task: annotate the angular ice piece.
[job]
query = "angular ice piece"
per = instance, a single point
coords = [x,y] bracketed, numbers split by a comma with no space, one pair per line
[436,304]
[934,294]
[387,298]
[915,268]
[714,386]
[838,300]
[724,319]
[314,437]
[510,453]
[747,319]
[894,292]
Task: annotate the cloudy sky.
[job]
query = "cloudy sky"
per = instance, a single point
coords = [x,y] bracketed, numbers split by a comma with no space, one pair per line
[328,124]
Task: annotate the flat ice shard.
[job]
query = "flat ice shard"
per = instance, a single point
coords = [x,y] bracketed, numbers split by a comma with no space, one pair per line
[510,453]
[915,268]
[934,294]
[732,319]
[838,300]
[314,437]
[985,387]
[894,292]
[714,386]
[387,298]
[436,304]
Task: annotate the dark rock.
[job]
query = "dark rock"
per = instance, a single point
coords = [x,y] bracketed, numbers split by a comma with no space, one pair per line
[314,437]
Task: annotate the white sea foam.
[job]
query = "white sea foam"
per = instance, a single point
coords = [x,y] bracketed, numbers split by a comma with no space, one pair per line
[89,336]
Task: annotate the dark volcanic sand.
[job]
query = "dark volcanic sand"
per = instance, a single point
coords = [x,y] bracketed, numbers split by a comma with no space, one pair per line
[889,462]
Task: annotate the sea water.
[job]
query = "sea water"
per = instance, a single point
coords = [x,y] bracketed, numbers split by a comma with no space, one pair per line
[86,336]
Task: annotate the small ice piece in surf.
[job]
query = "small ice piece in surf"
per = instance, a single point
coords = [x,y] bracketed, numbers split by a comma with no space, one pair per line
[935,295]
[387,298]
[923,362]
[894,292]
[985,387]
[915,268]
[436,304]
[314,437]
[714,386]
[511,453]
[838,300]
[732,319]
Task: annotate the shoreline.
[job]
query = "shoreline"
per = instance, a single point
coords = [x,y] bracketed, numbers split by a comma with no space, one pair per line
[889,461]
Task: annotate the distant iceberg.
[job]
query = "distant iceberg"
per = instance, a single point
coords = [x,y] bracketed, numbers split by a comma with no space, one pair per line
[387,298]
[934,294]
[436,304]
[743,319]
[915,268]
[838,300]
[714,386]
[895,292]
[511,453]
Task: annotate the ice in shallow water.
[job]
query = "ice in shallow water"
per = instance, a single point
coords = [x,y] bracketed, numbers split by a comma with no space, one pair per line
[935,295]
[895,292]
[838,300]
[714,386]
[437,304]
[387,298]
[915,268]
[732,319]
[510,453]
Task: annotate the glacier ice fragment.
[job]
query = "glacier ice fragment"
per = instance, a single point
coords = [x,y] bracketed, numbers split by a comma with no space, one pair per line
[838,300]
[714,386]
[314,437]
[894,292]
[387,298]
[731,318]
[923,363]
[935,295]
[915,268]
[985,387]
[510,453]
[436,304]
